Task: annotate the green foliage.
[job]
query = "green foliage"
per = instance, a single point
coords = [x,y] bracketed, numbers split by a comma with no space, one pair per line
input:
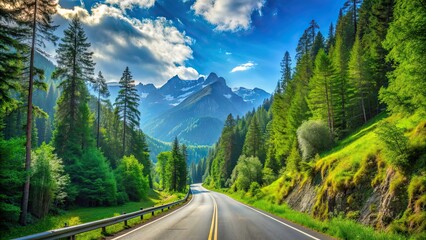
[48,181]
[130,176]
[162,159]
[313,137]
[247,171]
[396,144]
[405,41]
[12,175]
[95,180]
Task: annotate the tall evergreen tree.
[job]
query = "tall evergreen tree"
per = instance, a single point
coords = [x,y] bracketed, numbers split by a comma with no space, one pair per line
[285,71]
[253,145]
[182,168]
[127,103]
[352,6]
[72,120]
[101,87]
[359,80]
[321,90]
[11,54]
[38,15]
[330,38]
[317,45]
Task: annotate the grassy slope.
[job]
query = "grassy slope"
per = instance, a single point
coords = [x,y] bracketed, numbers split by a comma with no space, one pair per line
[345,166]
[83,215]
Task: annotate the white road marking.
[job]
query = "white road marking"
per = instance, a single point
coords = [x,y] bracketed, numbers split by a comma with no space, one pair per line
[266,215]
[154,220]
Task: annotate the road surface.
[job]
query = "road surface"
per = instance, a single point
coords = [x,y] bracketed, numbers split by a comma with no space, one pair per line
[210,215]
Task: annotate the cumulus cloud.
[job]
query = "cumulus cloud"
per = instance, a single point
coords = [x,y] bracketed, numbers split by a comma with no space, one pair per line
[228,15]
[153,49]
[243,67]
[129,4]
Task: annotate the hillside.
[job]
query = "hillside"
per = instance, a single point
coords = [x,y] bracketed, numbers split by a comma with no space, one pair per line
[358,179]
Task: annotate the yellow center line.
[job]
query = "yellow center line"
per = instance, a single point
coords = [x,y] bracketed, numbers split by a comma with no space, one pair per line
[213,227]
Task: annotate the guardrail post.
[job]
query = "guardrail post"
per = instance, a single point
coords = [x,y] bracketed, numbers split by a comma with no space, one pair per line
[125,222]
[142,214]
[72,237]
[104,231]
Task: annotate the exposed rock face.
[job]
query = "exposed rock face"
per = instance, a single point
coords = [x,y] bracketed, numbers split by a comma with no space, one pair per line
[363,198]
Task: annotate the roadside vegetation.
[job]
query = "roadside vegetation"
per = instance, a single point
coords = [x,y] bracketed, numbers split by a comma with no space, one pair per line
[77,216]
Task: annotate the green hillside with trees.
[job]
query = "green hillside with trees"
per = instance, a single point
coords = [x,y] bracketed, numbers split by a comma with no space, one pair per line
[60,147]
[344,135]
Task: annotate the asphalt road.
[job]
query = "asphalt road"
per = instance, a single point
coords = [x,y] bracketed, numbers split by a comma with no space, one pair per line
[210,215]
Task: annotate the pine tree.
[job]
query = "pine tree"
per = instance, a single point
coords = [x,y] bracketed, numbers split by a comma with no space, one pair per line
[375,17]
[172,167]
[127,103]
[182,169]
[101,87]
[352,6]
[358,79]
[321,90]
[330,38]
[12,49]
[285,71]
[228,144]
[38,15]
[253,145]
[72,120]
[317,45]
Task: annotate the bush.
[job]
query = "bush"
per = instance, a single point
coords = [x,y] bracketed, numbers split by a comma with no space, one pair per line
[48,181]
[12,176]
[96,180]
[396,144]
[130,177]
[313,137]
[247,170]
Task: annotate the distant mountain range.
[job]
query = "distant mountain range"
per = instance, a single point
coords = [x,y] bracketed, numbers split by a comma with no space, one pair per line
[192,110]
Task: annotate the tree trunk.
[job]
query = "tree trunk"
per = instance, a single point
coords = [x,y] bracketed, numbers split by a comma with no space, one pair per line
[99,117]
[26,193]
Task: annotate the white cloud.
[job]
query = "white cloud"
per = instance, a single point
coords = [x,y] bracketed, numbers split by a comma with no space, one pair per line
[153,49]
[129,4]
[228,53]
[228,15]
[186,73]
[243,67]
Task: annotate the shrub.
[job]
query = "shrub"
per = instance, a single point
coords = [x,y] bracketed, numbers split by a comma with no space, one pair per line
[96,181]
[247,170]
[396,144]
[48,181]
[130,178]
[313,137]
[12,175]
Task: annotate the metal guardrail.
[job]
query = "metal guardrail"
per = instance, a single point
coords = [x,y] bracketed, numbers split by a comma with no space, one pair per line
[103,223]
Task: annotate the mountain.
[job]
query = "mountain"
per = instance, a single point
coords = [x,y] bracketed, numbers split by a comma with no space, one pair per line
[255,96]
[201,111]
[185,108]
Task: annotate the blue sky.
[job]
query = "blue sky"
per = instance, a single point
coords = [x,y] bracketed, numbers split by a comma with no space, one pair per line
[241,40]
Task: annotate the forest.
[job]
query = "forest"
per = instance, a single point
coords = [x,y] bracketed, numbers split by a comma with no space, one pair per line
[344,134]
[60,146]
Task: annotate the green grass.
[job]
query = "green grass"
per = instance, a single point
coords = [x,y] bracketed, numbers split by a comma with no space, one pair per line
[83,215]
